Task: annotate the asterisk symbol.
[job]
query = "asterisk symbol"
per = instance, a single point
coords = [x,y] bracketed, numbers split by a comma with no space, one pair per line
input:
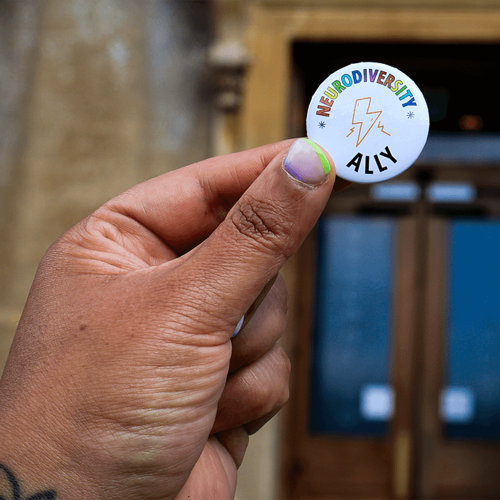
[410,114]
[321,124]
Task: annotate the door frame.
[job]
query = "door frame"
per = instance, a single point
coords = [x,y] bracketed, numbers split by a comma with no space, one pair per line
[265,117]
[273,29]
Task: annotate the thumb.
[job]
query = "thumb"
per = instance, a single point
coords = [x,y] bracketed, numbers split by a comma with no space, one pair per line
[262,230]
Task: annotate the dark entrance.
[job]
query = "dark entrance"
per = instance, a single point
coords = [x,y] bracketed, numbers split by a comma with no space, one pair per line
[396,389]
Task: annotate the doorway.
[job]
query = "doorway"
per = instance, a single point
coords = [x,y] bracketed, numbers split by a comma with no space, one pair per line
[396,378]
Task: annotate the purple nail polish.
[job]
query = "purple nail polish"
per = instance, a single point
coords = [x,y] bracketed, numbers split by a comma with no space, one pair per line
[238,326]
[306,162]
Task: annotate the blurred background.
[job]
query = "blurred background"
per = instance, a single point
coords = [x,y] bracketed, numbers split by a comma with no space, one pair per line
[394,329]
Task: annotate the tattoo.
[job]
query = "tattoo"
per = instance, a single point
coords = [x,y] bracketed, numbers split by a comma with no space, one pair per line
[16,490]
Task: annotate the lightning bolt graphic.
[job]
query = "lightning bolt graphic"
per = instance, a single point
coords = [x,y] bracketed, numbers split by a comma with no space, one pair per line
[365,118]
[380,126]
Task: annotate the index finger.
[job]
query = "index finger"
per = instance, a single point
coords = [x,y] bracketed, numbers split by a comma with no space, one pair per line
[183,207]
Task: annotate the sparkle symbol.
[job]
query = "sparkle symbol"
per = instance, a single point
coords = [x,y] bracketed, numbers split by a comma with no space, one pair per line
[321,124]
[410,114]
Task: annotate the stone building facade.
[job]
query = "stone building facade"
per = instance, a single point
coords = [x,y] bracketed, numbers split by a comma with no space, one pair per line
[95,96]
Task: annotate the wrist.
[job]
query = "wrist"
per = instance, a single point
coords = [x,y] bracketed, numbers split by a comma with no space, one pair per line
[34,466]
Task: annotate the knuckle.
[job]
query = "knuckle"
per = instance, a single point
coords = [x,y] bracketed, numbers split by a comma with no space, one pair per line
[262,222]
[285,388]
[266,388]
[260,395]
[284,294]
[281,359]
[277,324]
[282,380]
[285,396]
[280,300]
[283,363]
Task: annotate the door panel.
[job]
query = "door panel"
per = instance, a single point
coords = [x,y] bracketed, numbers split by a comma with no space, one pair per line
[460,451]
[368,455]
[437,334]
[470,404]
[350,390]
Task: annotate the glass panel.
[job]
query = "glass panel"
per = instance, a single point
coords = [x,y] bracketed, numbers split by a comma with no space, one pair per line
[451,192]
[395,191]
[350,372]
[470,403]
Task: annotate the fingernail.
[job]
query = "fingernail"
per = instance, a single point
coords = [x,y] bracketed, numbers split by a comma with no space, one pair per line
[239,326]
[306,162]
[253,308]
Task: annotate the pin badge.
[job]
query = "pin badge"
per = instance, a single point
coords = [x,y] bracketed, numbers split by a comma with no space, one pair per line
[371,118]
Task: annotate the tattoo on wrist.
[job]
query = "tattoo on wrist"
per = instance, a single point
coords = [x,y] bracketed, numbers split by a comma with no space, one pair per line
[8,479]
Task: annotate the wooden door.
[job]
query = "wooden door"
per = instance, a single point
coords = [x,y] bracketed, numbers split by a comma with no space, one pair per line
[459,396]
[431,444]
[358,450]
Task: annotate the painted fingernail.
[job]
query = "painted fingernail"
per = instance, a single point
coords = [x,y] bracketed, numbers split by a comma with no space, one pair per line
[253,308]
[239,325]
[307,162]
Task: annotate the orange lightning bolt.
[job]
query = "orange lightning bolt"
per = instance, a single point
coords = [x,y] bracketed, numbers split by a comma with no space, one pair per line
[363,117]
[381,127]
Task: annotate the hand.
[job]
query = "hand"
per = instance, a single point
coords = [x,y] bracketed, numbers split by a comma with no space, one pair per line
[123,381]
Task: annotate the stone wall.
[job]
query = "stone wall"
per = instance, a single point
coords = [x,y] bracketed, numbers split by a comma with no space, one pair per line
[95,96]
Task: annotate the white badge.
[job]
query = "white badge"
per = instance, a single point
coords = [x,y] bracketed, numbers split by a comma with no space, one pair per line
[371,118]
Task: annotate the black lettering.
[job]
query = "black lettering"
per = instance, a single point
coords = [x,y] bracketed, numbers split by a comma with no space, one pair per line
[379,165]
[356,161]
[367,165]
[388,154]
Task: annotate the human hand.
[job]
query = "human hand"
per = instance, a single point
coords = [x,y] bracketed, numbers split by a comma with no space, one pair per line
[123,381]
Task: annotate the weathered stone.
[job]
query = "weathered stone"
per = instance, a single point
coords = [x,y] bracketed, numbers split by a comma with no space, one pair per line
[96,96]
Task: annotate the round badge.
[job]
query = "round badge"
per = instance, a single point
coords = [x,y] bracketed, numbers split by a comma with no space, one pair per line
[371,118]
